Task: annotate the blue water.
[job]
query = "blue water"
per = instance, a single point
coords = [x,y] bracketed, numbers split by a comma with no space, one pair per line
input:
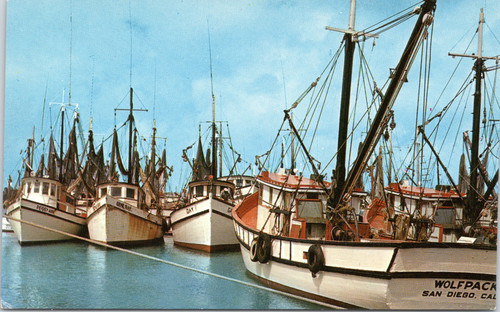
[76,275]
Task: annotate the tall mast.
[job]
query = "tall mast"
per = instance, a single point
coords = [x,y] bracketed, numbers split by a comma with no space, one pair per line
[213,167]
[375,131]
[345,101]
[130,120]
[472,205]
[472,202]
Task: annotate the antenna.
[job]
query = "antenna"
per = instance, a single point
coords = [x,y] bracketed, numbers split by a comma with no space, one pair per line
[130,20]
[70,48]
[214,144]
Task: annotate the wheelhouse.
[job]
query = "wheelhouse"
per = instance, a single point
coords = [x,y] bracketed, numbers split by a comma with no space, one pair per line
[291,205]
[48,192]
[129,193]
[212,188]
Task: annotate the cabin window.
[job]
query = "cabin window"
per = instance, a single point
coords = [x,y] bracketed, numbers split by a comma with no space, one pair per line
[36,189]
[239,182]
[309,209]
[270,201]
[28,188]
[248,182]
[116,191]
[199,191]
[52,190]
[70,200]
[45,188]
[130,193]
[444,216]
[312,195]
[103,191]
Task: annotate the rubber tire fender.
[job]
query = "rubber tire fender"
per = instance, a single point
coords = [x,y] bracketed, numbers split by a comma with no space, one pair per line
[263,247]
[253,250]
[315,258]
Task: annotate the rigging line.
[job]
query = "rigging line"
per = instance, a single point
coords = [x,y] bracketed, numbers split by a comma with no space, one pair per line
[130,31]
[272,146]
[395,14]
[43,114]
[493,33]
[353,116]
[92,87]
[320,112]
[230,279]
[70,49]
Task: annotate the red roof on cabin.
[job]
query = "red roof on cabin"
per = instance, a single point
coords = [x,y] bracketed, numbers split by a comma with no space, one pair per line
[421,191]
[290,181]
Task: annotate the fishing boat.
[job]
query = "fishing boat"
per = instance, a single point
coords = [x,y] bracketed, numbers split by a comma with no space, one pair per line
[119,215]
[203,219]
[303,236]
[43,198]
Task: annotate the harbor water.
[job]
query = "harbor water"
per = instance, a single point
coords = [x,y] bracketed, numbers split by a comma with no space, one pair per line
[78,275]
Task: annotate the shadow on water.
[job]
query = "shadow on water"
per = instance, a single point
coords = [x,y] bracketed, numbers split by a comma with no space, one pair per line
[76,275]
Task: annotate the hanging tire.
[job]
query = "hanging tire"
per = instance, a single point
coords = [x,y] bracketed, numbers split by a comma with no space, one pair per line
[253,250]
[315,258]
[263,248]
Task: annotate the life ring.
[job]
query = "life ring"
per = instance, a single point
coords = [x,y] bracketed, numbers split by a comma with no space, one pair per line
[253,250]
[315,258]
[263,247]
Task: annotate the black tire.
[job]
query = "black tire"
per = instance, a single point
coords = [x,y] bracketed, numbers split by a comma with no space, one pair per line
[263,247]
[253,250]
[315,258]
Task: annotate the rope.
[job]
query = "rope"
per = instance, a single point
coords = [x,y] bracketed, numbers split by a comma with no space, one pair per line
[173,263]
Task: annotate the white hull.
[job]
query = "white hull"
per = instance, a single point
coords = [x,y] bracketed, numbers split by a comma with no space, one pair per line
[114,222]
[380,275]
[42,215]
[204,225]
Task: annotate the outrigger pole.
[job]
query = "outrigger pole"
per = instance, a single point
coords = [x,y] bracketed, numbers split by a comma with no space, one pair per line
[375,132]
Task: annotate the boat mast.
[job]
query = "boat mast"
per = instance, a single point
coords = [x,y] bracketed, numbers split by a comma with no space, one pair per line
[130,120]
[213,167]
[472,206]
[382,116]
[349,39]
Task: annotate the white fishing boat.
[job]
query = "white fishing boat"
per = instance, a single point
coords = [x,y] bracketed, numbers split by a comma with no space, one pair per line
[119,215]
[205,222]
[43,198]
[43,201]
[303,235]
[117,218]
[202,220]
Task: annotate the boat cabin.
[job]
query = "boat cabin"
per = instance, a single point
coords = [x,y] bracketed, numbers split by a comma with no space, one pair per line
[199,190]
[128,193]
[441,204]
[244,185]
[48,192]
[291,205]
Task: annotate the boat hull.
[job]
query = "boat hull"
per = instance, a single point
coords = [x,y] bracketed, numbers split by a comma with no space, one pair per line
[379,275]
[204,225]
[113,222]
[46,216]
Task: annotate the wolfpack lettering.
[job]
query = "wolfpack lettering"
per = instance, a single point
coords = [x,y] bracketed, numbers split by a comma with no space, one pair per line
[465,285]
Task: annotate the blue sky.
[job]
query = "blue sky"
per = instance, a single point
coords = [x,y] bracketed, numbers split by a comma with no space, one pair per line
[264,55]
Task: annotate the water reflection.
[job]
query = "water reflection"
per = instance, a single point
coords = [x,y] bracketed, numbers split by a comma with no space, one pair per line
[80,276]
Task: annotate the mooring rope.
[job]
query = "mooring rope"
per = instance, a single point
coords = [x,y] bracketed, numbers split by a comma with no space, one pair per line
[175,264]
